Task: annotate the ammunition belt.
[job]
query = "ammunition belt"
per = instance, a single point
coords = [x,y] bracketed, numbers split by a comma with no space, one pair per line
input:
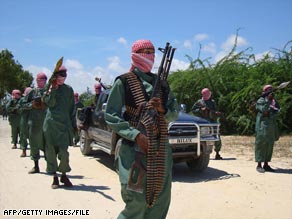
[156,131]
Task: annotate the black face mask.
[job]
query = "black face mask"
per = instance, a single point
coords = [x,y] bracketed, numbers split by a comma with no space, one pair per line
[62,73]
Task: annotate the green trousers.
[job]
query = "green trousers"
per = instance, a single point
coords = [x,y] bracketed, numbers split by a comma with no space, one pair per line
[24,130]
[60,152]
[218,145]
[136,206]
[15,132]
[36,141]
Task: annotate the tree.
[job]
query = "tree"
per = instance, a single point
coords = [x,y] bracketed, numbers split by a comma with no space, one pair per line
[12,75]
[235,81]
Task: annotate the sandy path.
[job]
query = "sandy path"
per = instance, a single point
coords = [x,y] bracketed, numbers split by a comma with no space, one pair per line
[228,189]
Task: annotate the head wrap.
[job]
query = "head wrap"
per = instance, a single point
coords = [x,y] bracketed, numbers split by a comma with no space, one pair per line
[144,62]
[16,94]
[26,91]
[41,76]
[41,80]
[267,87]
[76,97]
[206,94]
[97,88]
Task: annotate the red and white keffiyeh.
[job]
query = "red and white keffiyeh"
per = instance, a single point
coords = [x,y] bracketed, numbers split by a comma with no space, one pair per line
[143,61]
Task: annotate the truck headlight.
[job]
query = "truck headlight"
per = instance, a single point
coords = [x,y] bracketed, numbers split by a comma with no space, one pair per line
[205,131]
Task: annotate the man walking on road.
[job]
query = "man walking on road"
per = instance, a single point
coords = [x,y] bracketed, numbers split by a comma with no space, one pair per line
[35,121]
[130,91]
[58,127]
[13,110]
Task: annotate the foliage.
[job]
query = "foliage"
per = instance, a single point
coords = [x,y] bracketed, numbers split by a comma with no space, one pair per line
[237,80]
[87,98]
[12,76]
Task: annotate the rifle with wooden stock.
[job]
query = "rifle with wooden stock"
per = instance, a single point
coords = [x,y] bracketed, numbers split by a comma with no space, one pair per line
[252,103]
[153,125]
[53,76]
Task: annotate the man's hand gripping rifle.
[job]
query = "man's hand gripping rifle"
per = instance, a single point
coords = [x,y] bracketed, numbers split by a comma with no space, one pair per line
[156,105]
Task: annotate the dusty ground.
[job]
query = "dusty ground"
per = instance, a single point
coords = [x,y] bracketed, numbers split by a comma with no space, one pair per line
[228,189]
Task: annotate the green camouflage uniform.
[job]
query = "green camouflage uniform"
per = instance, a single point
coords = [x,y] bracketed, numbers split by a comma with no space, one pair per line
[12,108]
[266,130]
[136,206]
[35,123]
[58,127]
[77,105]
[207,114]
[24,128]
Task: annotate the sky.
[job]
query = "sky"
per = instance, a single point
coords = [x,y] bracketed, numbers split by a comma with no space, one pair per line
[95,36]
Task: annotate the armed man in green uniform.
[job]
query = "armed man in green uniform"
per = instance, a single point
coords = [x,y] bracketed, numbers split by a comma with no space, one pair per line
[13,110]
[36,120]
[78,105]
[266,128]
[206,108]
[58,126]
[128,91]
[24,112]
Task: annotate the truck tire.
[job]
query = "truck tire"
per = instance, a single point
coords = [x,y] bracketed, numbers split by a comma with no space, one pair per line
[85,143]
[200,163]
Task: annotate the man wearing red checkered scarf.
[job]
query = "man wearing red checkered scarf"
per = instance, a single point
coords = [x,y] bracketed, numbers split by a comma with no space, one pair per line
[122,97]
[142,55]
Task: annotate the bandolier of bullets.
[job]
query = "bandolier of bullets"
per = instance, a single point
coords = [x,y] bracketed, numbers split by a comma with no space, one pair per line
[156,131]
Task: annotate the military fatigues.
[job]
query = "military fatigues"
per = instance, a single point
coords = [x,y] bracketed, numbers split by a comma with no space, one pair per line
[136,206]
[35,123]
[266,130]
[58,128]
[24,128]
[77,105]
[207,114]
[12,108]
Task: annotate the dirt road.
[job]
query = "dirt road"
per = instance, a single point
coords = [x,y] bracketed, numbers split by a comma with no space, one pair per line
[228,189]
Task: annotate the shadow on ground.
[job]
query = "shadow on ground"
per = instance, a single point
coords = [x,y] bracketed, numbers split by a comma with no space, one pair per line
[103,158]
[90,188]
[284,171]
[181,173]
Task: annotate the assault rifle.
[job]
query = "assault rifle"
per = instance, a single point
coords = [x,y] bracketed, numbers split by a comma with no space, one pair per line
[206,110]
[137,166]
[281,86]
[102,84]
[252,103]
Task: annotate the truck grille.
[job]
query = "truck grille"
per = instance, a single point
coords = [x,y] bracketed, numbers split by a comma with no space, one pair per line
[207,131]
[182,130]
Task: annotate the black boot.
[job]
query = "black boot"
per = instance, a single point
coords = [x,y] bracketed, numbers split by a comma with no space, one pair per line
[218,156]
[23,154]
[268,168]
[36,168]
[259,168]
[66,181]
[55,184]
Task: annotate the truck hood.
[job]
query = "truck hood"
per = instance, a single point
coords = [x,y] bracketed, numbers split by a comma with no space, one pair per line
[187,118]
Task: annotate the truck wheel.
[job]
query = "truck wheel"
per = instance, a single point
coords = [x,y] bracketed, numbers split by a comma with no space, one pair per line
[85,143]
[200,163]
[117,151]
